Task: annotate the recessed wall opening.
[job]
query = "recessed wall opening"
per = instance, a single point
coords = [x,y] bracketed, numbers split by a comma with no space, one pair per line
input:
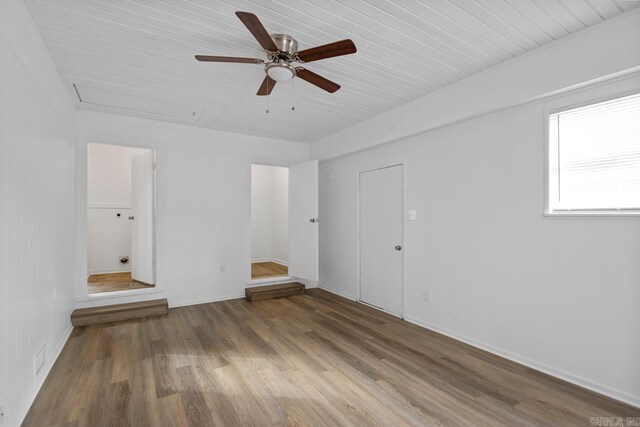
[120,218]
[269,222]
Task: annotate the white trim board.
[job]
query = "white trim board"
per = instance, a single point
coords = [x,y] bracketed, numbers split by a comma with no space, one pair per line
[119,297]
[206,301]
[308,284]
[549,370]
[275,280]
[109,205]
[44,373]
[339,293]
[107,271]
[538,366]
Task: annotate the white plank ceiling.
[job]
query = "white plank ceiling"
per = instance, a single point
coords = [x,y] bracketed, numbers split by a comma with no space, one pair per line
[135,57]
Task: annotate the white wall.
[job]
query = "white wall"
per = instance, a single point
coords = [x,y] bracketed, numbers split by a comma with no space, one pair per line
[269,214]
[560,295]
[36,210]
[203,197]
[109,194]
[261,213]
[109,175]
[109,238]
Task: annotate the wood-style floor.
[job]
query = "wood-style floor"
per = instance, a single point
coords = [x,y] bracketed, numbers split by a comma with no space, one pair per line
[313,359]
[260,270]
[113,282]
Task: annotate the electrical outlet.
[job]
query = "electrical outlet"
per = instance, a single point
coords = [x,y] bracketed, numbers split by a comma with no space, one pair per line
[425,295]
[222,268]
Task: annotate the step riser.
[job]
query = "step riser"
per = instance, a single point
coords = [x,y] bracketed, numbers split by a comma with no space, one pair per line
[119,312]
[274,291]
[271,295]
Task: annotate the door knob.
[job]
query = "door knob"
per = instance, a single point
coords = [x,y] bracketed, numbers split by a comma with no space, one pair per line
[398,248]
[314,220]
[131,218]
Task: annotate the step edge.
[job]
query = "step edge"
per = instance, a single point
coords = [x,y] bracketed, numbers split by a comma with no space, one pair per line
[117,308]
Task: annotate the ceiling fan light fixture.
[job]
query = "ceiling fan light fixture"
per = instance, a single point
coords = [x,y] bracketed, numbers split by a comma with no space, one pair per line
[280,71]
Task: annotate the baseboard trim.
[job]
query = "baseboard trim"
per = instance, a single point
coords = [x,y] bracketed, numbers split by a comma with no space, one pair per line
[206,300]
[308,284]
[47,369]
[594,386]
[339,293]
[108,271]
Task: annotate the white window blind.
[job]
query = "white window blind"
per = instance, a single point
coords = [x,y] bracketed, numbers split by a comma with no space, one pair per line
[594,157]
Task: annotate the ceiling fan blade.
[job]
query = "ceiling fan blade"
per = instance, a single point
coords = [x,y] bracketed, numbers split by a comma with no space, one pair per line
[317,80]
[207,58]
[266,87]
[256,28]
[343,47]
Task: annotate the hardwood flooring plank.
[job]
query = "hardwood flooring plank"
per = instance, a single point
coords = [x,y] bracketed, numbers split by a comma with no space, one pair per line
[118,399]
[172,411]
[193,401]
[311,359]
[260,270]
[110,282]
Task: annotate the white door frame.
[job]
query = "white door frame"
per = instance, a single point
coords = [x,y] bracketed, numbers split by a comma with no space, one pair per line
[402,164]
[249,281]
[82,240]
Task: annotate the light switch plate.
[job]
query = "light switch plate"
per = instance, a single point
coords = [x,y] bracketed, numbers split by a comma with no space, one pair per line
[413,215]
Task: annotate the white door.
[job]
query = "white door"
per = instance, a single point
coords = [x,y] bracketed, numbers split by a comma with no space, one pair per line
[142,262]
[303,220]
[381,238]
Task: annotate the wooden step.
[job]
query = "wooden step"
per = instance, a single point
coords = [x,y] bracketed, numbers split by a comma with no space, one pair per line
[118,312]
[259,293]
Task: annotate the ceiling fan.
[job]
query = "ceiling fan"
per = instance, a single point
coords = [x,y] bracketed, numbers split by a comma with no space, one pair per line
[282,54]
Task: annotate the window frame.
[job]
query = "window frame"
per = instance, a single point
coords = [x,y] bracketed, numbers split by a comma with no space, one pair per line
[578,213]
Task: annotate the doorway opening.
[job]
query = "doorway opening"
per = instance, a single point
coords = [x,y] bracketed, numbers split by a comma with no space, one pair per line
[269,222]
[120,218]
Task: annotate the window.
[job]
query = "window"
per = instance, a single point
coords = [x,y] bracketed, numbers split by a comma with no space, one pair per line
[594,158]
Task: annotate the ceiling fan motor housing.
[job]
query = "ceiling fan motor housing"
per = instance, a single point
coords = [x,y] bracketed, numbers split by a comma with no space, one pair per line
[285,43]
[280,69]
